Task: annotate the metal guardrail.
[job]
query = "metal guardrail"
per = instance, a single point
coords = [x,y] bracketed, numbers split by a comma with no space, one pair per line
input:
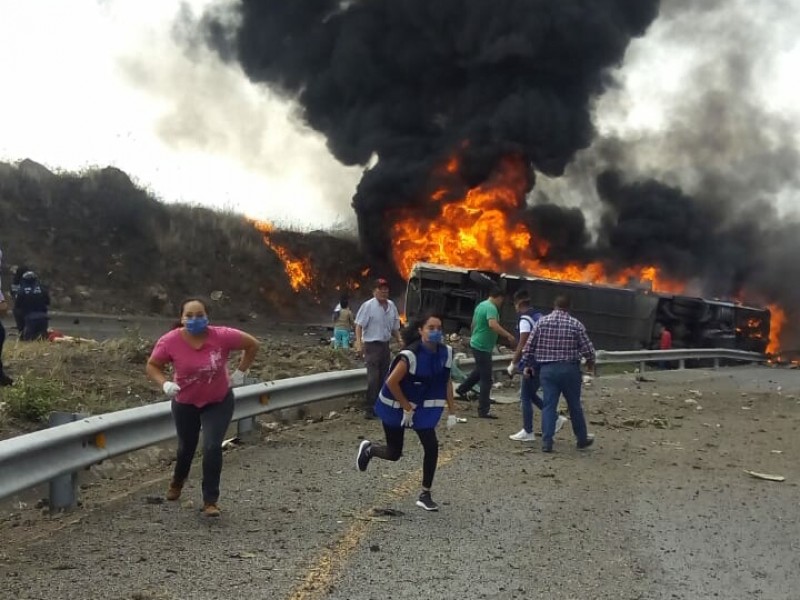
[681,356]
[59,452]
[42,456]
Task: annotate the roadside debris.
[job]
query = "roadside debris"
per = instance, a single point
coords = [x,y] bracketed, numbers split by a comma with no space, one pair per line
[231,443]
[765,476]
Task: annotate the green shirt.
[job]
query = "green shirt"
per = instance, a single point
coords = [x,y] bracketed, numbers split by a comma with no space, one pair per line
[484,338]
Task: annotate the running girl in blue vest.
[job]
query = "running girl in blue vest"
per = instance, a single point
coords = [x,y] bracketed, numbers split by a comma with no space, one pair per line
[413,397]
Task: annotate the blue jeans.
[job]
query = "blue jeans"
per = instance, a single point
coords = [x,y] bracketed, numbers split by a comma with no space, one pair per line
[561,378]
[528,398]
[341,338]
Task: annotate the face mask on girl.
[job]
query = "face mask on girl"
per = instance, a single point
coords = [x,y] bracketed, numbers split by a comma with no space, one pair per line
[435,336]
[196,325]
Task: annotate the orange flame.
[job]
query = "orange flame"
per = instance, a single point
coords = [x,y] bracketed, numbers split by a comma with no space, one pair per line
[776,323]
[298,269]
[478,231]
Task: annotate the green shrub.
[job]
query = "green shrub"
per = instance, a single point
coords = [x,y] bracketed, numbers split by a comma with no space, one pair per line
[32,399]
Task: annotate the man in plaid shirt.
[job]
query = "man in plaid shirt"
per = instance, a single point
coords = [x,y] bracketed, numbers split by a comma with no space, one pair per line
[556,345]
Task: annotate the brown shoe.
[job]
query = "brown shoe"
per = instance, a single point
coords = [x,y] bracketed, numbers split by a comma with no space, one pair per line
[174,491]
[211,509]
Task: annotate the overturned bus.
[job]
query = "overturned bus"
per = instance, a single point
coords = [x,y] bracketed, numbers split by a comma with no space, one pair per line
[616,318]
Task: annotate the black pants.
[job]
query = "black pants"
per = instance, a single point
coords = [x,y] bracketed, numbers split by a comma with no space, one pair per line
[19,319]
[214,419]
[483,373]
[393,450]
[35,327]
[378,358]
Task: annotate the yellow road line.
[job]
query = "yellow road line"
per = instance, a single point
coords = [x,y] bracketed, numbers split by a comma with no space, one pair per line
[319,577]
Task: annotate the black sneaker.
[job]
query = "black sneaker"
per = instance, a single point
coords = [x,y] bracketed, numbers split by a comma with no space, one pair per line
[425,501]
[364,455]
[587,442]
[487,416]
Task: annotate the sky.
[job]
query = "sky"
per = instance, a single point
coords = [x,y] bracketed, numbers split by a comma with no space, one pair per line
[91,83]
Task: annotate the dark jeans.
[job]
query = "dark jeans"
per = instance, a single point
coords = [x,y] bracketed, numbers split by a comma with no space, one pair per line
[35,327]
[393,450]
[561,378]
[19,319]
[528,398]
[378,359]
[483,373]
[214,419]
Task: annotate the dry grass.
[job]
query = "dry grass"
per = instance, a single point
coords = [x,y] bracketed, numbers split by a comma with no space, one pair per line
[96,378]
[85,377]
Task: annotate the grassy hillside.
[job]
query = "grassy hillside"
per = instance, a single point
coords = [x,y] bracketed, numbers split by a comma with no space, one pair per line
[102,244]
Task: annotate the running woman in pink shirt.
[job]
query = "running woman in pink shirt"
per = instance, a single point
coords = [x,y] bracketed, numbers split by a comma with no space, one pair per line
[201,391]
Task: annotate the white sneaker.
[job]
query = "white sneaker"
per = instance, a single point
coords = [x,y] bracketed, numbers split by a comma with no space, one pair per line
[560,421]
[523,436]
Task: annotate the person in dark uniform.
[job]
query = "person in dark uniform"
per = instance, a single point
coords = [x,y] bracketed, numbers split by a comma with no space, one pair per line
[413,396]
[16,281]
[33,302]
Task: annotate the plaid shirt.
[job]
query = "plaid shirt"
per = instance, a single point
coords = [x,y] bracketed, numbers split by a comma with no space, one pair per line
[557,337]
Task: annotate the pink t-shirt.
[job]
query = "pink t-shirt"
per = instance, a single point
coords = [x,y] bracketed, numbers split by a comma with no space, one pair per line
[202,374]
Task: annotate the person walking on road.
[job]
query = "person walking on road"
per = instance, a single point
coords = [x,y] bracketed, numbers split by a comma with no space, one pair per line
[413,397]
[201,394]
[529,386]
[377,321]
[554,350]
[486,329]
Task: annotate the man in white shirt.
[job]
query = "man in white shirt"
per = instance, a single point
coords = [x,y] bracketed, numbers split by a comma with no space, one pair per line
[377,322]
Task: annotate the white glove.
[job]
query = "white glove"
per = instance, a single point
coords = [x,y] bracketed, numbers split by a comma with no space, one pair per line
[511,369]
[408,418]
[237,378]
[451,421]
[171,388]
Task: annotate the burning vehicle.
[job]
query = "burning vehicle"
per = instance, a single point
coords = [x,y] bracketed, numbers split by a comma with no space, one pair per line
[617,318]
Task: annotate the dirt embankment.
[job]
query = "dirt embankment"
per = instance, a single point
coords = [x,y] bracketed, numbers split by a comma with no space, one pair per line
[103,244]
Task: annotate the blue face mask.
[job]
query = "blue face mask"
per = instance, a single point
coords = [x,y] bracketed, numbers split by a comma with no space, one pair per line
[435,337]
[196,325]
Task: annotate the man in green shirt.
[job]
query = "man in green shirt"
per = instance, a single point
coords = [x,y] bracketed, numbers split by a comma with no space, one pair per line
[486,329]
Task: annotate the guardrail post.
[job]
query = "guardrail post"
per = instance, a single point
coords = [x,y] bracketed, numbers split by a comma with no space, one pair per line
[63,489]
[682,363]
[244,426]
[716,363]
[642,367]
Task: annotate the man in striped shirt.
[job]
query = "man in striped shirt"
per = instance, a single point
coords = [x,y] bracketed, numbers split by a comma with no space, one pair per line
[556,345]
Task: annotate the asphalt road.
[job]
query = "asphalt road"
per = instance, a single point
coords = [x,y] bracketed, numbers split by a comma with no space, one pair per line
[650,512]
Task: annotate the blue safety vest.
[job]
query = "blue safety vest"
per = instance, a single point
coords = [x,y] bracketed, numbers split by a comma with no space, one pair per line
[425,386]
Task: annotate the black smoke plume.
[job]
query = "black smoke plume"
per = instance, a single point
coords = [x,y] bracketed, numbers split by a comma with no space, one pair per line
[402,85]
